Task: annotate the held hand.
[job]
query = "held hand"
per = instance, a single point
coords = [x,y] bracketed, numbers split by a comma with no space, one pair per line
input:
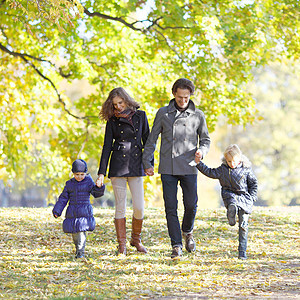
[55,215]
[100,180]
[198,156]
[149,171]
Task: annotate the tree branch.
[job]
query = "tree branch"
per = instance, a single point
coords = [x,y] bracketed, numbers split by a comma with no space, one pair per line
[167,42]
[85,140]
[97,14]
[155,22]
[23,57]
[131,25]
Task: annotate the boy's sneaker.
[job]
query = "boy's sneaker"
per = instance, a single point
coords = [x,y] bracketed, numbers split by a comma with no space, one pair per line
[176,252]
[79,254]
[242,255]
[231,214]
[190,244]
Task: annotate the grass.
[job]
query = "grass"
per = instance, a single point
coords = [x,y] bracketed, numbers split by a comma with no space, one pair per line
[37,258]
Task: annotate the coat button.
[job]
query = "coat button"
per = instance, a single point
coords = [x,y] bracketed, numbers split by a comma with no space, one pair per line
[124,155]
[137,130]
[123,140]
[119,124]
[122,131]
[135,154]
[135,146]
[135,137]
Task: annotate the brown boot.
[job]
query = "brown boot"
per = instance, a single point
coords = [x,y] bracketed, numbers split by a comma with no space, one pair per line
[136,235]
[120,225]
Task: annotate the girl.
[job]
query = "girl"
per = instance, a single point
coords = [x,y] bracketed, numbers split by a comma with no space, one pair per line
[126,133]
[239,189]
[79,214]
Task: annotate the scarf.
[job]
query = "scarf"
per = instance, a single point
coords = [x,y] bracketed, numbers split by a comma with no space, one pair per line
[181,109]
[126,114]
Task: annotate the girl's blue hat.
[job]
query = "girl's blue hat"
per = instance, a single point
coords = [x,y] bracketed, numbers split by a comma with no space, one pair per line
[79,166]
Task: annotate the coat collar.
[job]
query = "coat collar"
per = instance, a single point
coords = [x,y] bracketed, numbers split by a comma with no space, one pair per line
[191,108]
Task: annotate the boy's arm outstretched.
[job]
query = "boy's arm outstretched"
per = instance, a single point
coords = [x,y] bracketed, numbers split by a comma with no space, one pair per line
[209,172]
[204,169]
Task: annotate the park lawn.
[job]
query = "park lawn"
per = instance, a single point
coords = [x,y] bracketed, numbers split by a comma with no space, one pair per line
[37,258]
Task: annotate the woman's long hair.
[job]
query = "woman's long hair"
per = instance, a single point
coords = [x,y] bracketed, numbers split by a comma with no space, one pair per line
[107,110]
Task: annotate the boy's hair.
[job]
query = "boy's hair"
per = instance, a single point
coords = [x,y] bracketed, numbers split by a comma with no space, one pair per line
[107,110]
[232,150]
[184,84]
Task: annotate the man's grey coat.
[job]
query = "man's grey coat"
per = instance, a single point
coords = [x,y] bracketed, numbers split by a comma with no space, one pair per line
[181,135]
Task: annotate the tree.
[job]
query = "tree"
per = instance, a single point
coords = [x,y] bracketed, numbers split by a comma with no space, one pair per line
[140,45]
[272,143]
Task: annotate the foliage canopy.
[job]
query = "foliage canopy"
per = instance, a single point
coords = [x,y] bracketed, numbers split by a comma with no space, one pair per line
[141,45]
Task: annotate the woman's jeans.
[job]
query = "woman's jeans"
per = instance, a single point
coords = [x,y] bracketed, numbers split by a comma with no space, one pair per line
[243,230]
[188,185]
[136,188]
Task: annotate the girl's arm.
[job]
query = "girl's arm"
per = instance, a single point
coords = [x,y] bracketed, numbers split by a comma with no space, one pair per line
[61,202]
[98,191]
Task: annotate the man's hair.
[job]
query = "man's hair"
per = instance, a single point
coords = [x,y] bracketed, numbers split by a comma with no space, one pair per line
[232,150]
[184,84]
[107,110]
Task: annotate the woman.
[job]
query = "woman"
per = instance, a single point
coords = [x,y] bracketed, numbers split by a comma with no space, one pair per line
[126,132]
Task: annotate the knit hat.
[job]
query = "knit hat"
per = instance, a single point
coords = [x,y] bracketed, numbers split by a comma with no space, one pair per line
[79,166]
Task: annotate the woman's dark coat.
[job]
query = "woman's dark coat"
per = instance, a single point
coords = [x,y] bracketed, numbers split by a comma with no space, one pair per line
[239,185]
[79,214]
[123,144]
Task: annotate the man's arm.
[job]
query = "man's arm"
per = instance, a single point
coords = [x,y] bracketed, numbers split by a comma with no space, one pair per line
[204,139]
[151,144]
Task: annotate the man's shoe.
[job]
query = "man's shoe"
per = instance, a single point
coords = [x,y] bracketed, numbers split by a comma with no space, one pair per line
[242,255]
[176,252]
[190,244]
[231,214]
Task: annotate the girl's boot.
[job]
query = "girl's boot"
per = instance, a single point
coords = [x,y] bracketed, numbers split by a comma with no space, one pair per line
[79,239]
[136,235]
[120,225]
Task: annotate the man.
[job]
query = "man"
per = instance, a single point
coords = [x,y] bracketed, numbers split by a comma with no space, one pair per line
[183,132]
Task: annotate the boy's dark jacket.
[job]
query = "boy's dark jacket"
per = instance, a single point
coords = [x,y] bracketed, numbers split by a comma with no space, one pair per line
[239,185]
[79,214]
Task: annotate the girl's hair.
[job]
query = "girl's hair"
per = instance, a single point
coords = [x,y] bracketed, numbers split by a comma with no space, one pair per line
[232,150]
[107,110]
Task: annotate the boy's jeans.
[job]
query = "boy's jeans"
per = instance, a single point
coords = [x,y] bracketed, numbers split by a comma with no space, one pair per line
[243,230]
